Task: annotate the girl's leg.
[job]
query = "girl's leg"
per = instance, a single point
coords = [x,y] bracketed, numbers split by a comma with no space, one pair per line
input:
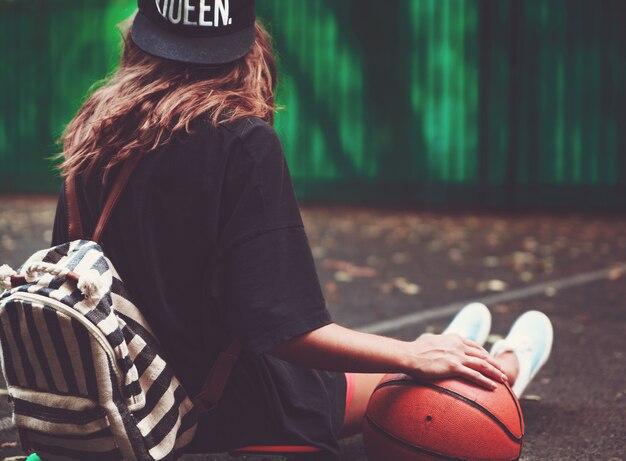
[510,365]
[363,385]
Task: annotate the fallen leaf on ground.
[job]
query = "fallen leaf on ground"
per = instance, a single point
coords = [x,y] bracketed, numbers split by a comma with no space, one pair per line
[526,276]
[616,273]
[350,268]
[491,285]
[550,292]
[530,244]
[400,257]
[451,285]
[318,252]
[47,235]
[331,290]
[455,255]
[435,245]
[492,240]
[521,259]
[491,261]
[496,285]
[410,289]
[501,309]
[373,260]
[343,276]
[8,243]
[400,281]
[406,287]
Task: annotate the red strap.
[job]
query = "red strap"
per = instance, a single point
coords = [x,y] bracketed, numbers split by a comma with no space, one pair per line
[216,380]
[271,449]
[120,182]
[75,227]
[74,224]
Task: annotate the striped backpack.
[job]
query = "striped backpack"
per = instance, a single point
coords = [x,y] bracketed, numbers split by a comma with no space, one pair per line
[81,363]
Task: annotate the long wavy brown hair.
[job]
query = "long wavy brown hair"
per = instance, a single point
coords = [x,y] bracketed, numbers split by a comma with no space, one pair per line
[148,100]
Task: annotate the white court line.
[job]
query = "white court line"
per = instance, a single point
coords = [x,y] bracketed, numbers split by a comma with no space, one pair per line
[394,324]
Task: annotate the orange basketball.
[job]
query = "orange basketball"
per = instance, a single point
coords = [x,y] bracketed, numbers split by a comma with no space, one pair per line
[410,420]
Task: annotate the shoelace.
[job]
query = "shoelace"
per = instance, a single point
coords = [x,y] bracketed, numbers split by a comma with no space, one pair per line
[521,344]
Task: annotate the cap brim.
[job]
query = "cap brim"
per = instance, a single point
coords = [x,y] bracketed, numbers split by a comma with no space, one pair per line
[196,50]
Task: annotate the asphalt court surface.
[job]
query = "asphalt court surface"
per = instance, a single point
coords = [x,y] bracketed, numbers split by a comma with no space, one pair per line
[377,265]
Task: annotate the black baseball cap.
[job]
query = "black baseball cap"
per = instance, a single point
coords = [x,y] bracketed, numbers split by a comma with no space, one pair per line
[195,31]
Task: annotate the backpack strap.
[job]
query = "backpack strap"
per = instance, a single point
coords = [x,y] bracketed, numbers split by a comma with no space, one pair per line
[75,226]
[216,380]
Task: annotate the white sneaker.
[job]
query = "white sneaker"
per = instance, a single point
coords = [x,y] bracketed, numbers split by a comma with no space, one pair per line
[530,339]
[472,322]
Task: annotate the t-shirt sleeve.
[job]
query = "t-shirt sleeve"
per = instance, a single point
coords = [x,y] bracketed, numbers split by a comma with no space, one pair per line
[272,292]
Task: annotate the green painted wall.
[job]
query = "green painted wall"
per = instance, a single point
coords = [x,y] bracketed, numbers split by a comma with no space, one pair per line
[488,102]
[54,51]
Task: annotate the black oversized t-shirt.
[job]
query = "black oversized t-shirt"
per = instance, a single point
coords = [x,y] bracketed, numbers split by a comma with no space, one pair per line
[209,239]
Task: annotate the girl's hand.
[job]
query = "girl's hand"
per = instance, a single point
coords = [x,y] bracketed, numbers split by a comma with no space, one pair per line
[450,355]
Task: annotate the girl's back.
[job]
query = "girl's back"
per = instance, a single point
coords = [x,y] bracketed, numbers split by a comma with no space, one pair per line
[209,239]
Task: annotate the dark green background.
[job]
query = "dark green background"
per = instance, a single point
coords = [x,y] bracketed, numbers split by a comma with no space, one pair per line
[481,102]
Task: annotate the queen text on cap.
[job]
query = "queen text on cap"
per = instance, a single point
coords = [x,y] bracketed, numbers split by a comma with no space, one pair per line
[204,13]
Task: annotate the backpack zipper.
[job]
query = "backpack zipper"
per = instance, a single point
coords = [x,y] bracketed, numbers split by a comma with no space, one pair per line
[58,305]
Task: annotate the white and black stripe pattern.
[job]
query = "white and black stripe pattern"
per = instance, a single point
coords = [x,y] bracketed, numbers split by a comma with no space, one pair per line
[84,370]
